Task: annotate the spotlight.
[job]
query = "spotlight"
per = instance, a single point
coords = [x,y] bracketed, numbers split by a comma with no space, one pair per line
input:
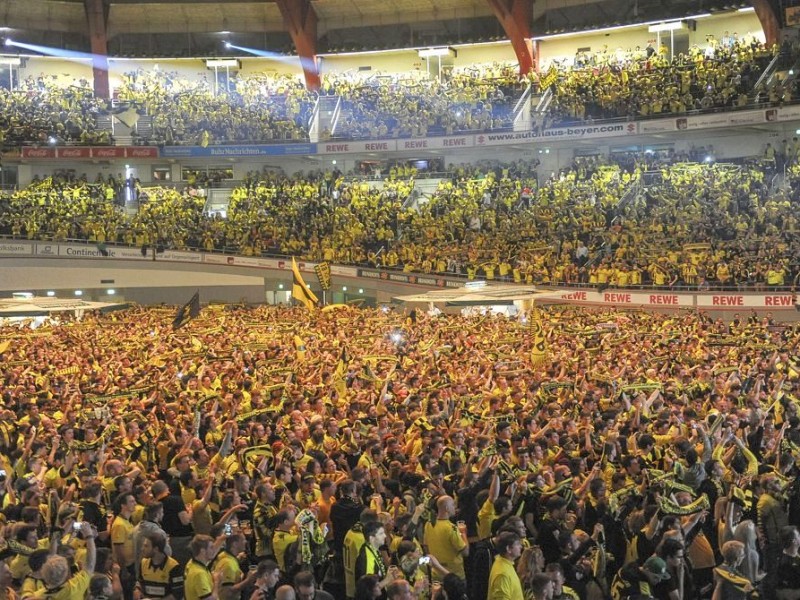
[78,293]
[52,140]
[9,42]
[228,44]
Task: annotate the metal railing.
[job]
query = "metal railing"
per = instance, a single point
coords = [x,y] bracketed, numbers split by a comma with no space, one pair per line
[543,104]
[768,72]
[235,250]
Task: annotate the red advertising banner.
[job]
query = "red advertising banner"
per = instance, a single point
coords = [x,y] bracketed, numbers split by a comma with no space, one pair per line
[141,152]
[109,152]
[85,152]
[78,152]
[38,153]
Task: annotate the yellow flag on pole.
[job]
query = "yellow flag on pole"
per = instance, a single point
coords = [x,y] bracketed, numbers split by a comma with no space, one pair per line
[300,291]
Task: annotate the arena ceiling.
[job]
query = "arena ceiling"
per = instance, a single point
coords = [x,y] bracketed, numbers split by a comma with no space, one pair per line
[165,26]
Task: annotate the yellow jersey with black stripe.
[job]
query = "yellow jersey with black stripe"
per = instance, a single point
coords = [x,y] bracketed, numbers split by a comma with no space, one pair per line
[198,581]
[228,567]
[159,581]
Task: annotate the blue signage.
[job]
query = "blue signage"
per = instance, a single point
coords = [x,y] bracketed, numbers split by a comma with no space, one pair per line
[237,151]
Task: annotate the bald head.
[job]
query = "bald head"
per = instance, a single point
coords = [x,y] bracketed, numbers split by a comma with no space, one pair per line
[445,507]
[285,592]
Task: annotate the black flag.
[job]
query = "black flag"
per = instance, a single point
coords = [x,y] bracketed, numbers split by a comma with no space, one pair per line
[187,312]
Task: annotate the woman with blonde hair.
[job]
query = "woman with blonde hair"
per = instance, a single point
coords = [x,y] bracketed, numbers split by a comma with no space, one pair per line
[530,563]
[729,582]
[745,532]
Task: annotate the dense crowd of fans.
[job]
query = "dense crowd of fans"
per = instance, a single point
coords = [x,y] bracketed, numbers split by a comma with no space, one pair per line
[415,105]
[265,107]
[42,110]
[647,82]
[694,225]
[281,453]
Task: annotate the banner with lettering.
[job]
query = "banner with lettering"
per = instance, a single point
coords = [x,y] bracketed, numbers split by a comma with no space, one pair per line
[323,271]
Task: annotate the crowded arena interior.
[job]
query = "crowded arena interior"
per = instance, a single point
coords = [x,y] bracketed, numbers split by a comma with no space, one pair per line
[450,300]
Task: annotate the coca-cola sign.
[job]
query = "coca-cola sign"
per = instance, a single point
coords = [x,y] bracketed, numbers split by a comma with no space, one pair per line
[38,153]
[84,152]
[110,152]
[141,152]
[73,153]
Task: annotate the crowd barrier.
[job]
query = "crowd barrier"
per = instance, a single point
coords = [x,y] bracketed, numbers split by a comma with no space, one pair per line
[769,300]
[577,132]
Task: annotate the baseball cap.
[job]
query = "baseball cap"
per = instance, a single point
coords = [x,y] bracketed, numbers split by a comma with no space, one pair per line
[657,567]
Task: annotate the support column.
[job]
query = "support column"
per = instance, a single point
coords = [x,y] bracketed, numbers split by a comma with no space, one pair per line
[301,22]
[770,22]
[515,16]
[97,21]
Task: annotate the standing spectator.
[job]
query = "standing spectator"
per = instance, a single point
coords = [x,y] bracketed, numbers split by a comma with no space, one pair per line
[160,576]
[787,584]
[177,521]
[199,584]
[305,587]
[772,518]
[730,583]
[504,582]
[226,567]
[59,583]
[446,541]
[370,561]
[149,525]
[122,542]
[267,576]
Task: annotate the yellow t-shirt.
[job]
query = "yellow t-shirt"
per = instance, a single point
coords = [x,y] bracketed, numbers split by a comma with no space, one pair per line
[486,517]
[199,583]
[281,541]
[75,587]
[122,535]
[445,542]
[504,582]
[227,565]
[160,581]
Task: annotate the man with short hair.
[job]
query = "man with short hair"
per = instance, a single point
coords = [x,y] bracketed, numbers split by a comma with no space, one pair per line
[226,567]
[351,547]
[399,589]
[264,511]
[285,535]
[177,521]
[370,561]
[787,584]
[199,584]
[160,576]
[305,587]
[504,582]
[149,525]
[122,541]
[267,576]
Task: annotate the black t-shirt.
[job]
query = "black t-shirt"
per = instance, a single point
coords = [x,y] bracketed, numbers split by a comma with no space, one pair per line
[171,523]
[788,572]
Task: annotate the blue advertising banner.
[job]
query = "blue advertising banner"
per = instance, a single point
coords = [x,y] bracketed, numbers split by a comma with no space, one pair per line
[238,151]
